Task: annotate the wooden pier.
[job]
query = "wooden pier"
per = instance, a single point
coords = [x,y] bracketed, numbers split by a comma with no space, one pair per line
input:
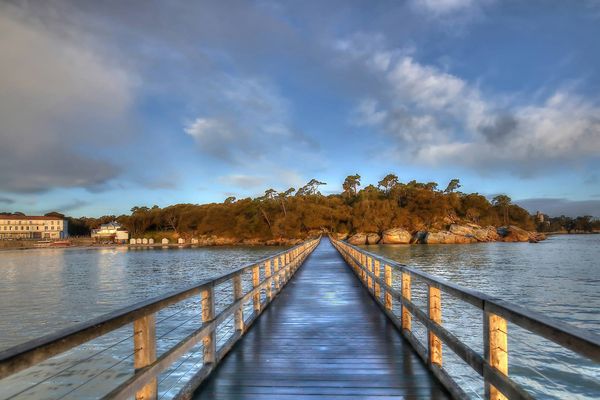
[323,337]
[323,319]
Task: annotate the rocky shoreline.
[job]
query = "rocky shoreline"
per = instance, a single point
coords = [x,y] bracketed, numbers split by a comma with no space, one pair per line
[454,234]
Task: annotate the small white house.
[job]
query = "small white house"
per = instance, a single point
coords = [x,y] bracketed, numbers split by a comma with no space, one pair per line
[113,231]
[165,241]
[181,241]
[150,241]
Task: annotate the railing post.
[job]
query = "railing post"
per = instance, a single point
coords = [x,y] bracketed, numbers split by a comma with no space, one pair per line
[276,270]
[255,284]
[369,262]
[288,270]
[283,266]
[362,268]
[434,300]
[144,344]
[267,276]
[208,314]
[238,294]
[406,317]
[377,278]
[388,281]
[495,349]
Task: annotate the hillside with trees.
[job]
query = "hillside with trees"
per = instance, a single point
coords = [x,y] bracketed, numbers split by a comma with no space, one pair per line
[298,213]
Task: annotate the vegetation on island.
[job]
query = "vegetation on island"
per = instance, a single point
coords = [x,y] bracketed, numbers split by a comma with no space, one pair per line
[297,213]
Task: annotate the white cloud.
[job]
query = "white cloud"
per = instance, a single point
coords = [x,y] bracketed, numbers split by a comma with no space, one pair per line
[438,118]
[243,181]
[443,6]
[462,9]
[246,122]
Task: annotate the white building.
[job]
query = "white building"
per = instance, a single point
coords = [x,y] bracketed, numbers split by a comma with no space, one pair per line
[32,227]
[112,231]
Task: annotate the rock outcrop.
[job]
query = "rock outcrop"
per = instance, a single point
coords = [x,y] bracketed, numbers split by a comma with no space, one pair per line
[283,242]
[455,234]
[446,237]
[358,239]
[396,236]
[513,233]
[373,238]
[463,230]
[486,234]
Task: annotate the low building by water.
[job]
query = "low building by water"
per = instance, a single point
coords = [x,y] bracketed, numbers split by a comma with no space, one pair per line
[113,231]
[32,227]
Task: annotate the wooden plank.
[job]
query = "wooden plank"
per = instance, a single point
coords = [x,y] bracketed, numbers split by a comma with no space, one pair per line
[267,276]
[406,294]
[377,268]
[208,314]
[237,294]
[496,351]
[369,265]
[435,315]
[144,345]
[388,282]
[255,283]
[276,270]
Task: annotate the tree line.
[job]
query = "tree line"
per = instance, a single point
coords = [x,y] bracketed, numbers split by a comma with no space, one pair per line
[296,213]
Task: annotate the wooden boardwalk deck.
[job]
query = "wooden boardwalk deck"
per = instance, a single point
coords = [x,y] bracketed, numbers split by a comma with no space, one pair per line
[322,337]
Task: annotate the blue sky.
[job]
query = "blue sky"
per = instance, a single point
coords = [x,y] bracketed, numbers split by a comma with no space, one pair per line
[107,105]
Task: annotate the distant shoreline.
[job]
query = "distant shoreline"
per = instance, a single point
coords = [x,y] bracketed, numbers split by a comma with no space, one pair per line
[572,233]
[27,245]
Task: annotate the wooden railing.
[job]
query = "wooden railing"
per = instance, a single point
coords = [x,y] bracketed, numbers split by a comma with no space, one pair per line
[493,365]
[275,271]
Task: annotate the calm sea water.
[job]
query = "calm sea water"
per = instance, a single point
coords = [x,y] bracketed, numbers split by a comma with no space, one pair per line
[44,290]
[559,277]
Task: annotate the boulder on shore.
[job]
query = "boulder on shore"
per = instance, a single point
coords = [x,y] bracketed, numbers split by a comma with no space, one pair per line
[224,241]
[396,236]
[252,242]
[513,233]
[373,238]
[445,237]
[487,234]
[341,235]
[358,239]
[462,230]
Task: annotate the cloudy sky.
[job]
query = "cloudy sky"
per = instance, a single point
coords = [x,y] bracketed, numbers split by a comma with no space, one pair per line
[109,104]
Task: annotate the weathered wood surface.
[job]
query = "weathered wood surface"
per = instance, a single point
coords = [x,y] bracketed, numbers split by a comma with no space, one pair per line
[322,337]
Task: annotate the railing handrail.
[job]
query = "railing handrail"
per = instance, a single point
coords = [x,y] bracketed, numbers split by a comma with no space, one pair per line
[579,340]
[39,349]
